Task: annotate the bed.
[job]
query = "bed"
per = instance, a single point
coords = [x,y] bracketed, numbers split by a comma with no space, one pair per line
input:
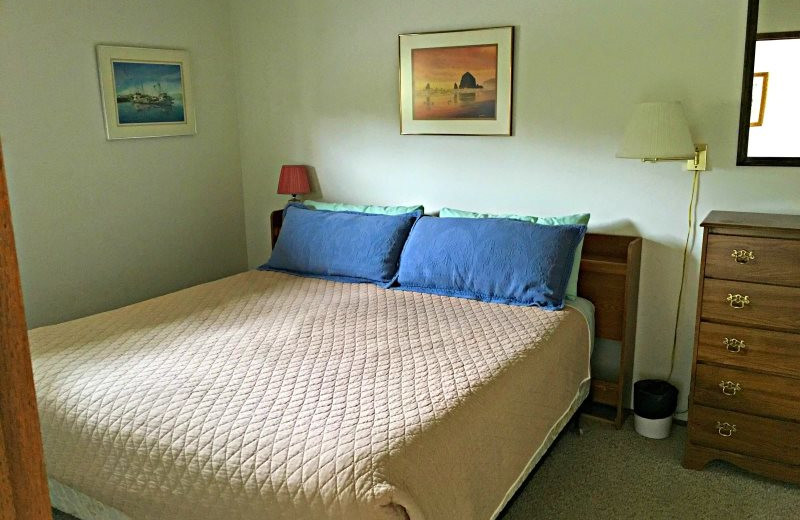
[267,395]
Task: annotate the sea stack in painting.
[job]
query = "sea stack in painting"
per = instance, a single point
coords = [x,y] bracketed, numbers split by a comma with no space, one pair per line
[148,92]
[455,82]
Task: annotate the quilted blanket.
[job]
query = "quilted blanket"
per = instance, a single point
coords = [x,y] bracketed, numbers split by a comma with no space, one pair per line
[269,396]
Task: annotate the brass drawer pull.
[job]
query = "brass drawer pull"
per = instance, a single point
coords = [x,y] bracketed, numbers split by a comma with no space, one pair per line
[730,387]
[734,345]
[742,256]
[726,429]
[737,301]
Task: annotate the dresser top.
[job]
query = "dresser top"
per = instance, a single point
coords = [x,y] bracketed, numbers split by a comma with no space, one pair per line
[737,219]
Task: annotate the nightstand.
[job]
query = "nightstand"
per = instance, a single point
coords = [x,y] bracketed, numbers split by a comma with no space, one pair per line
[614,262]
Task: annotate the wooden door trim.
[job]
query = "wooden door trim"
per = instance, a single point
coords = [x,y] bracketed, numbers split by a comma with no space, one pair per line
[24,482]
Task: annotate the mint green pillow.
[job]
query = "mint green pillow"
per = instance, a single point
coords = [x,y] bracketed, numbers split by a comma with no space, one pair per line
[361,208]
[457,213]
[578,218]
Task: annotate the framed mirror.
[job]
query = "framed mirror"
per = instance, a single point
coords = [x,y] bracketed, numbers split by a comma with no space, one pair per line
[769,120]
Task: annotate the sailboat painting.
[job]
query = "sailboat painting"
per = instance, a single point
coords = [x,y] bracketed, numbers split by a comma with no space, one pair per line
[146,91]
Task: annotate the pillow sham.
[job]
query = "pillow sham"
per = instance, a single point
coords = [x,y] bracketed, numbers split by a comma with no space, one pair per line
[458,213]
[361,208]
[578,218]
[492,260]
[341,246]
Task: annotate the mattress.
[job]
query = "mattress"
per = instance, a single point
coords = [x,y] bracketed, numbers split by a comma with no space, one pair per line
[265,395]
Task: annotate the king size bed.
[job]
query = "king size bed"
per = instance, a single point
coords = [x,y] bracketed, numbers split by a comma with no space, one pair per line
[266,395]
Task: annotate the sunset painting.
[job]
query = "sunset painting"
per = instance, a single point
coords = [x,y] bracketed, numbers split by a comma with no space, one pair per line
[456,82]
[452,83]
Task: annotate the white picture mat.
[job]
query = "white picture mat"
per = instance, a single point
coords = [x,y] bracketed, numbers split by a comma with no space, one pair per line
[106,54]
[503,37]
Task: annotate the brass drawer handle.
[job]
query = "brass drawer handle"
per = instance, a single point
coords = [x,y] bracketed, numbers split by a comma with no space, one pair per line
[742,256]
[730,387]
[734,345]
[726,429]
[737,301]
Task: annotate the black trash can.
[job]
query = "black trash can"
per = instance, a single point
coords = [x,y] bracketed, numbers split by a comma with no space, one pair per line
[654,402]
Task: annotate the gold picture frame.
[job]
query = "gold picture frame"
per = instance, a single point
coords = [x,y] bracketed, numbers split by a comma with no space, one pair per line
[146,92]
[457,82]
[760,84]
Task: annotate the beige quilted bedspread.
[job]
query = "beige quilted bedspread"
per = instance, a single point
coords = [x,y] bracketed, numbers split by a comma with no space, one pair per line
[268,396]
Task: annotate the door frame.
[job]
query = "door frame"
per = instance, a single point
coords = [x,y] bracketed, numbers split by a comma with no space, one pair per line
[23,481]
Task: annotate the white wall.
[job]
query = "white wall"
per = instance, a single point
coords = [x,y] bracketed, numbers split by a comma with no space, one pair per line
[778,15]
[100,224]
[318,85]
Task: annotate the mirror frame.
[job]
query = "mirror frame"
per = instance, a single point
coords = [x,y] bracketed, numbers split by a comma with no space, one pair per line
[751,37]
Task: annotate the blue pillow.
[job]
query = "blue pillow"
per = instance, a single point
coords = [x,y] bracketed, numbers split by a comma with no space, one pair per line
[492,260]
[340,245]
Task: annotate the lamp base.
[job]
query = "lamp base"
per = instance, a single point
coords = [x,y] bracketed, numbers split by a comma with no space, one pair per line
[699,163]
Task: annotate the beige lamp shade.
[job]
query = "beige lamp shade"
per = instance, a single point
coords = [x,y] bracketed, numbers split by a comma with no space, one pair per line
[657,131]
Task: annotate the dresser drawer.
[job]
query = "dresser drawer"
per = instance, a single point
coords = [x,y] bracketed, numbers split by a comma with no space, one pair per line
[766,306]
[746,434]
[765,260]
[749,392]
[777,352]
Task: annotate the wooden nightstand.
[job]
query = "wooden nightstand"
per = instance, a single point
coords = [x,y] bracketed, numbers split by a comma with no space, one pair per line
[744,406]
[613,286]
[275,221]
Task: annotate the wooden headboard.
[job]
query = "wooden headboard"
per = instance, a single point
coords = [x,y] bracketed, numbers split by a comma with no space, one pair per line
[609,278]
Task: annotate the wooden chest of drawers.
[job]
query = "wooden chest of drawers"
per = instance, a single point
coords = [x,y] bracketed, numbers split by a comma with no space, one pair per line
[744,405]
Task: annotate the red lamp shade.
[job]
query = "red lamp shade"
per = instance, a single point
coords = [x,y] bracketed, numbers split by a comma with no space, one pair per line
[293,180]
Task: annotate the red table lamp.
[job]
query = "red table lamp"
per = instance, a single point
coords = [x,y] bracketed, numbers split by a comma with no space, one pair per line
[293,181]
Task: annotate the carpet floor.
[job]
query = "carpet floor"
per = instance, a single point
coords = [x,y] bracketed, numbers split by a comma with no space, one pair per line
[608,473]
[611,474]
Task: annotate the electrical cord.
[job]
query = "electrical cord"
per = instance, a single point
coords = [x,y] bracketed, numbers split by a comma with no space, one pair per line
[689,233]
[692,213]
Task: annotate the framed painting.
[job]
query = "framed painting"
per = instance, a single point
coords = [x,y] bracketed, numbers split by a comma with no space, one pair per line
[146,92]
[456,82]
[760,83]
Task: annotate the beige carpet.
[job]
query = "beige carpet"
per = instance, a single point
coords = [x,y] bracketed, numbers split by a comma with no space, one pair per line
[606,473]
